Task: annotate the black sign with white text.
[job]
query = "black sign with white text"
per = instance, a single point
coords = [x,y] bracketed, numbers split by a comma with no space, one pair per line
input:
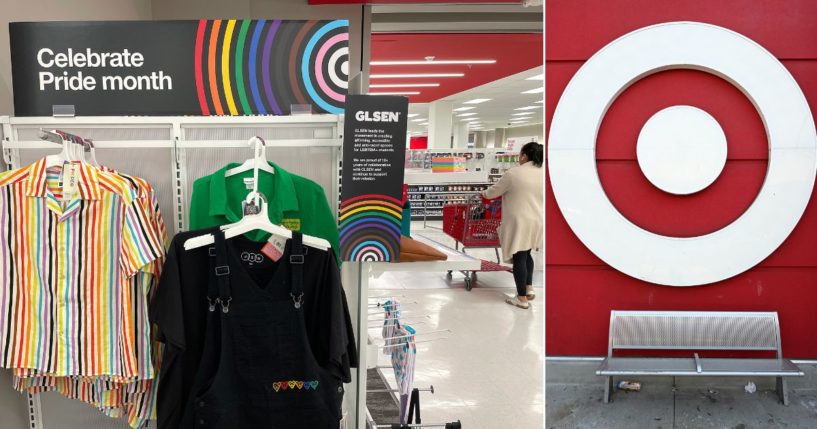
[205,67]
[374,146]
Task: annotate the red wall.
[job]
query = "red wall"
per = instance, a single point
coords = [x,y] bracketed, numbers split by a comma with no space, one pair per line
[420,142]
[581,289]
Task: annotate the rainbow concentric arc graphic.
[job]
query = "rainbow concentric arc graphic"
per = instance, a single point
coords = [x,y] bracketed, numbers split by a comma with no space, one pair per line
[263,67]
[370,228]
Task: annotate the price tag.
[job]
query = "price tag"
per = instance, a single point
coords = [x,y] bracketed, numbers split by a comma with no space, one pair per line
[70,176]
[274,248]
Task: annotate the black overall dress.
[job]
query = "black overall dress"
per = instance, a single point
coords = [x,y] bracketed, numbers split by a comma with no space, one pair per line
[258,370]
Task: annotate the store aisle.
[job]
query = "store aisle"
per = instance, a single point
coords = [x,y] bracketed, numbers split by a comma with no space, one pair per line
[488,373]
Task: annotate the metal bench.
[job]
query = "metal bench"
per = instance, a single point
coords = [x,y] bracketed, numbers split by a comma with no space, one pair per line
[696,330]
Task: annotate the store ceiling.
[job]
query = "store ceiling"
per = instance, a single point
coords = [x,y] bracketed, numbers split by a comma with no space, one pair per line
[511,53]
[506,95]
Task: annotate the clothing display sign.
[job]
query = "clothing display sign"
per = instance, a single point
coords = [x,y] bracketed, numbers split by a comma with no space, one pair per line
[205,67]
[374,145]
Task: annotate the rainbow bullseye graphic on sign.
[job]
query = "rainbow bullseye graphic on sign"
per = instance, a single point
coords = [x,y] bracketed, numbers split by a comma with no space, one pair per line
[370,228]
[250,67]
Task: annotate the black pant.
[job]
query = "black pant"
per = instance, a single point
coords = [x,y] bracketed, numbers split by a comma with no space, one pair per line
[522,271]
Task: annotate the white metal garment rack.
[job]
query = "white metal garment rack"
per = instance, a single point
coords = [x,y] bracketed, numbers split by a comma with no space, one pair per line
[170,153]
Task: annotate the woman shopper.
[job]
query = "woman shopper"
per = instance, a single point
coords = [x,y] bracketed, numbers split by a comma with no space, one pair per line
[521,228]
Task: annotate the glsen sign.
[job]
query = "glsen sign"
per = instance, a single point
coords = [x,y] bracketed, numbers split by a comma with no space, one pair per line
[682,261]
[206,67]
[374,147]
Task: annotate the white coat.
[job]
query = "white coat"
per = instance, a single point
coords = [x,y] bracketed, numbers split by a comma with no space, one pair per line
[521,191]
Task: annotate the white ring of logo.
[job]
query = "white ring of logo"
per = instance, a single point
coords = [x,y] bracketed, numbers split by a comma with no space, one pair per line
[721,254]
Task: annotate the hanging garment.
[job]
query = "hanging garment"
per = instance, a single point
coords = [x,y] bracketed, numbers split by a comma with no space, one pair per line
[402,360]
[180,311]
[391,320]
[295,202]
[135,399]
[73,251]
[258,370]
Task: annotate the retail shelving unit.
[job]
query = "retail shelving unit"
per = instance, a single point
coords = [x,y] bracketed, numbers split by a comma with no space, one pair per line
[171,153]
[428,192]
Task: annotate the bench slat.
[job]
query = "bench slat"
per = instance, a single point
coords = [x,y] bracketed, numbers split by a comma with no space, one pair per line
[709,367]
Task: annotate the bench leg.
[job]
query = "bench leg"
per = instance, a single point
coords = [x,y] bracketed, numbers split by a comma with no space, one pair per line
[782,391]
[608,389]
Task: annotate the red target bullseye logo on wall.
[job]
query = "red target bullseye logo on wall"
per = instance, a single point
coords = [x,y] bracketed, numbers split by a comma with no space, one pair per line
[682,215]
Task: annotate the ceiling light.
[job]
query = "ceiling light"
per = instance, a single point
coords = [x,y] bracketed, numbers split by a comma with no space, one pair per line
[477,101]
[528,108]
[419,119]
[522,113]
[424,123]
[395,93]
[411,115]
[429,62]
[534,90]
[404,85]
[391,76]
[462,115]
[541,101]
[464,108]
[537,77]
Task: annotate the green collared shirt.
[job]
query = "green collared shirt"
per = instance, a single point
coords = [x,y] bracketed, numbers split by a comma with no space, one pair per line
[295,203]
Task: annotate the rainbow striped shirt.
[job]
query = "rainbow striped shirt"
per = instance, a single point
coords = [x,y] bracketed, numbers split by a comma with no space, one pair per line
[136,399]
[66,297]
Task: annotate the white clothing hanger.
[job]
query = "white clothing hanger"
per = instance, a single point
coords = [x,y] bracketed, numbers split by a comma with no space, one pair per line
[253,222]
[256,221]
[258,162]
[90,149]
[71,151]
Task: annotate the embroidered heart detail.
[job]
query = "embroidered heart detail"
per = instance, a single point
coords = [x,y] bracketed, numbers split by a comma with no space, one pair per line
[283,385]
[314,384]
[300,384]
[276,386]
[291,384]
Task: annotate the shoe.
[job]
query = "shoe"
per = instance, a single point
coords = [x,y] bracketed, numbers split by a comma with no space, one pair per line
[530,293]
[516,302]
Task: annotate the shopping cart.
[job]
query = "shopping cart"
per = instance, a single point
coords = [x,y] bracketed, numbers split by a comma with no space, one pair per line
[475,225]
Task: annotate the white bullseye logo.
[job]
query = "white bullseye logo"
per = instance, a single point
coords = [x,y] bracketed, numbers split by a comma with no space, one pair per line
[682,150]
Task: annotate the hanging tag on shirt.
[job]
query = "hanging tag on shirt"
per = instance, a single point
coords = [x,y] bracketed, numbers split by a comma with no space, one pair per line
[70,177]
[248,183]
[250,208]
[274,248]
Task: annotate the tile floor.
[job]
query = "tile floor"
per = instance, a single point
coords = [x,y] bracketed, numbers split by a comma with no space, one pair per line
[488,372]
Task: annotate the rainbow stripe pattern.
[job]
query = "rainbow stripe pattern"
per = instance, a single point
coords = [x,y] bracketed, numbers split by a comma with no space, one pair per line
[262,67]
[370,228]
[447,164]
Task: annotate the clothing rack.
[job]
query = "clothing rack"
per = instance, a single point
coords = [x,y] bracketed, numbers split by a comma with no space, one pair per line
[171,152]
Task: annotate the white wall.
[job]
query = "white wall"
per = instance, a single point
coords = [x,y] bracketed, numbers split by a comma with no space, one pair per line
[57,10]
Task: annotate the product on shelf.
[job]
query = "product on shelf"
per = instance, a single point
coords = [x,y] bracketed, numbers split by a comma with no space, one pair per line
[452,164]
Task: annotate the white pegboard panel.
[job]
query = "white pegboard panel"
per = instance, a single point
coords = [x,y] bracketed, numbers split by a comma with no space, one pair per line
[13,407]
[108,133]
[61,413]
[277,132]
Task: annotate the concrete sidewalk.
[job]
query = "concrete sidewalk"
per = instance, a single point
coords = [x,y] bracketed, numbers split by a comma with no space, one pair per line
[573,398]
